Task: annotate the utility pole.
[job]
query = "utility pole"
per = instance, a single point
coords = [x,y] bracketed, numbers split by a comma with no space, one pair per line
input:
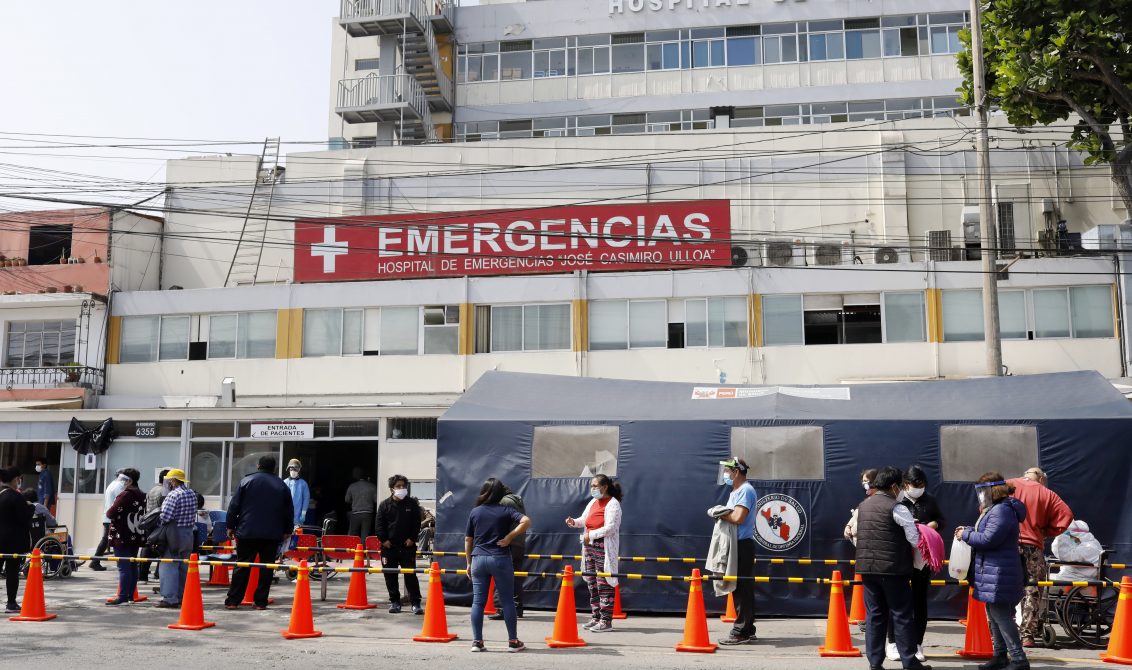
[986,214]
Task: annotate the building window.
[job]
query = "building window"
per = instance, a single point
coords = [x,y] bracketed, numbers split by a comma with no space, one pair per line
[1091,311]
[904,317]
[174,338]
[781,453]
[37,344]
[423,489]
[967,452]
[530,327]
[361,64]
[1051,313]
[322,332]
[842,319]
[48,244]
[145,338]
[399,331]
[1011,315]
[1006,226]
[962,316]
[715,322]
[423,428]
[782,319]
[574,451]
[628,324]
[441,329]
[742,51]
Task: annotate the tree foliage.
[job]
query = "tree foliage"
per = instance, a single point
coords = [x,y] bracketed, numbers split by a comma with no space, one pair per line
[1051,60]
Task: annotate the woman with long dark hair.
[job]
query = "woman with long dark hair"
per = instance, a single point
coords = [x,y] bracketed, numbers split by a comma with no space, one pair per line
[601,522]
[491,529]
[15,530]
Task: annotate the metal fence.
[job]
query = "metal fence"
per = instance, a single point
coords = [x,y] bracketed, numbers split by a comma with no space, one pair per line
[51,377]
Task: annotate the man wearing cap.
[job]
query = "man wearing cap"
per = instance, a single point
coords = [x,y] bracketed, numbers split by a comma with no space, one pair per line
[300,492]
[178,514]
[1047,516]
[259,517]
[109,496]
[742,503]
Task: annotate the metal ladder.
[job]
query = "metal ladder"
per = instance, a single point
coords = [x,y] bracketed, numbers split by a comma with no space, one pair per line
[244,267]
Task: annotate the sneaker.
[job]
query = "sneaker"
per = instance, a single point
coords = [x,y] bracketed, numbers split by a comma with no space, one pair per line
[231,606]
[418,610]
[12,607]
[516,645]
[115,603]
[890,651]
[733,640]
[602,627]
[395,608]
[996,663]
[477,646]
[98,567]
[498,616]
[920,653]
[591,623]
[165,604]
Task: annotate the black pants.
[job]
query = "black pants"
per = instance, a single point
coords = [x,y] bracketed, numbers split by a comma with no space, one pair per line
[745,591]
[103,544]
[12,578]
[247,551]
[361,525]
[518,555]
[401,557]
[921,581]
[889,597]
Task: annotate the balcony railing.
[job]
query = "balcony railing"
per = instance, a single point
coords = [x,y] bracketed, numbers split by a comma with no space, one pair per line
[386,92]
[53,377]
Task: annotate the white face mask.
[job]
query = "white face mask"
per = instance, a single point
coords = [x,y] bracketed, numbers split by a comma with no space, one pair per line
[39,468]
[293,474]
[400,493]
[915,493]
[865,485]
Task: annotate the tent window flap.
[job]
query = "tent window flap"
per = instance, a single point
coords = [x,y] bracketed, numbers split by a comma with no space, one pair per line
[781,453]
[574,451]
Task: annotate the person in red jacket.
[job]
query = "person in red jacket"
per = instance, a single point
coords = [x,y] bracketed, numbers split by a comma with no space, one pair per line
[1047,516]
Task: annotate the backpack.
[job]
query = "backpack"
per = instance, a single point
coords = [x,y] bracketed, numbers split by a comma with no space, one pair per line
[516,502]
[149,521]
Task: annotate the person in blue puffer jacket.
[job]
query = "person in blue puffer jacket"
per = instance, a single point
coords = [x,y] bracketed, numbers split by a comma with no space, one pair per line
[999,577]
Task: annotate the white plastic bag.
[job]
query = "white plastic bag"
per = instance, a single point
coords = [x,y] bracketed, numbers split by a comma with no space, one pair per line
[959,563]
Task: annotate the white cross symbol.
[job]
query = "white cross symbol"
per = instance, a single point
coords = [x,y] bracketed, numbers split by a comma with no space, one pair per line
[329,249]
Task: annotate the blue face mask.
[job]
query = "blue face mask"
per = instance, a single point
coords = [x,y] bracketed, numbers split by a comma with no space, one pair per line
[595,494]
[728,480]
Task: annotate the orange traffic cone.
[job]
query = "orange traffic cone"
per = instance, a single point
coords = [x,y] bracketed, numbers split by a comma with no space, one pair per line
[253,583]
[435,627]
[356,598]
[617,613]
[489,606]
[192,605]
[566,618]
[1120,638]
[730,615]
[837,641]
[219,576]
[970,604]
[695,621]
[857,608]
[977,643]
[138,598]
[34,609]
[302,619]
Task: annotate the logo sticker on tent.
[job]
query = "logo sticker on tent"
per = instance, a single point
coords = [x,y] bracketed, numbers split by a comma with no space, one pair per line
[780,522]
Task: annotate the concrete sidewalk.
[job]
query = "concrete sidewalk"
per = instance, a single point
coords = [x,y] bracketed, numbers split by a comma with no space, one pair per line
[88,634]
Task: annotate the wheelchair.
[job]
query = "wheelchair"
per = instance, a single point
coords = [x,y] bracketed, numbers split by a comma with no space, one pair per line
[1085,613]
[52,542]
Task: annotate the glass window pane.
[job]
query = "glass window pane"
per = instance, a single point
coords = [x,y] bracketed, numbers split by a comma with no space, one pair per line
[601,60]
[174,338]
[817,47]
[530,328]
[789,49]
[628,58]
[904,317]
[671,56]
[515,65]
[205,466]
[648,324]
[139,339]
[653,53]
[742,51]
[490,68]
[352,332]
[554,327]
[695,323]
[507,328]
[727,322]
[257,335]
[1051,313]
[939,39]
[608,325]
[441,339]
[322,332]
[222,335]
[782,319]
[399,331]
[1092,311]
[962,316]
[1012,315]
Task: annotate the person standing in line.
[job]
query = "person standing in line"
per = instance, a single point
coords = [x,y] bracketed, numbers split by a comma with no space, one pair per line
[259,518]
[998,574]
[850,532]
[15,530]
[125,538]
[108,498]
[1047,516]
[925,510]
[398,526]
[741,500]
[887,551]
[153,500]
[45,485]
[601,522]
[178,514]
[518,549]
[361,497]
[492,527]
[300,491]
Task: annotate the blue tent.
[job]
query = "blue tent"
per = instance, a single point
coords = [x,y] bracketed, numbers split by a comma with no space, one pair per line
[543,435]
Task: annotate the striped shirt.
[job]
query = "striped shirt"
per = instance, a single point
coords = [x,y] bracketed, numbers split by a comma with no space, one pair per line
[180,507]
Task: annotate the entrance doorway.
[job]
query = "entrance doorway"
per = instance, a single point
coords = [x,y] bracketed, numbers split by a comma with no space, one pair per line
[328,468]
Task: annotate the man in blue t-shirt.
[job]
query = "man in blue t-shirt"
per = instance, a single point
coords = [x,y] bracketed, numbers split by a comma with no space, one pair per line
[742,504]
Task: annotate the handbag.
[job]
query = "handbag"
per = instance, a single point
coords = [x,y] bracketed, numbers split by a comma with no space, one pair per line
[150,520]
[959,563]
[156,538]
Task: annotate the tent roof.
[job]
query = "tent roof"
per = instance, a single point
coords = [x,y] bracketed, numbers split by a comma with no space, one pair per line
[533,397]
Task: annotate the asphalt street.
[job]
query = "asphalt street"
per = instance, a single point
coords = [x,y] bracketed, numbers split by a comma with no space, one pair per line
[88,634]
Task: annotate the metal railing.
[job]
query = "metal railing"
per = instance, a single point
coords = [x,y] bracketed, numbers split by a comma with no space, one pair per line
[385,90]
[419,10]
[51,377]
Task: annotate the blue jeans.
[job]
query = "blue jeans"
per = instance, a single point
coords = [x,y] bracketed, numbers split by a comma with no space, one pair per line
[1004,631]
[173,574]
[127,573]
[483,569]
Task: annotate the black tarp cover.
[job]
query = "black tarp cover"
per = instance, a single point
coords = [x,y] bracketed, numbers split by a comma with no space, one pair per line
[669,446]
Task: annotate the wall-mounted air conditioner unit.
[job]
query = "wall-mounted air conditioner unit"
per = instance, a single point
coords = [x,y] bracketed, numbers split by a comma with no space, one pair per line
[830,253]
[747,254]
[784,253]
[939,245]
[887,255]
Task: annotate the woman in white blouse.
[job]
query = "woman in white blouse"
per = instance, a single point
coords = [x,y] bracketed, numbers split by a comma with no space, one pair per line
[601,522]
